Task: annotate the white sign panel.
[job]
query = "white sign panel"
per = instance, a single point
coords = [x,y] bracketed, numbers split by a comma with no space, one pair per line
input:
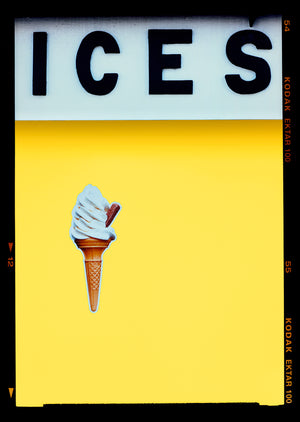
[148,68]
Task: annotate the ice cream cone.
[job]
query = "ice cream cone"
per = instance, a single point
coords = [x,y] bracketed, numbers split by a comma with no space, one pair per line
[92,250]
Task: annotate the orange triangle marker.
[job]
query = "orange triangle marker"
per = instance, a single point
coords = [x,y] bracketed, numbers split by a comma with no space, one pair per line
[10,245]
[11,390]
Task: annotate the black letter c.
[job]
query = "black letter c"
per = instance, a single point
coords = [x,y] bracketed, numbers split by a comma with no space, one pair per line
[83,61]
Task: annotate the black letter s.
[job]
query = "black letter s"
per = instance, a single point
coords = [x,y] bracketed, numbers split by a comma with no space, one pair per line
[256,64]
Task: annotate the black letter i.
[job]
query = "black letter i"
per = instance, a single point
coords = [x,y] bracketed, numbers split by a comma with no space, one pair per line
[39,64]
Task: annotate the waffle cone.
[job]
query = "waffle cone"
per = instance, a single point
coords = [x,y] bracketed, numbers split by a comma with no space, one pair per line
[92,250]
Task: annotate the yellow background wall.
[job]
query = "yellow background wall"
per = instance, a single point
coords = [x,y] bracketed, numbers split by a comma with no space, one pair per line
[191,303]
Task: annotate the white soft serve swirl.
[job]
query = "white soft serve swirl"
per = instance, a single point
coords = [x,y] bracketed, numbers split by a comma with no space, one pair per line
[89,216]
